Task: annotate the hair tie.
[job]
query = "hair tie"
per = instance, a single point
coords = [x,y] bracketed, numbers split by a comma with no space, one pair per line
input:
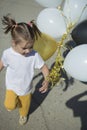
[30,24]
[14,26]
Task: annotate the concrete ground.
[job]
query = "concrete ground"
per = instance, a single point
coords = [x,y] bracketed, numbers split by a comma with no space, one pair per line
[55,110]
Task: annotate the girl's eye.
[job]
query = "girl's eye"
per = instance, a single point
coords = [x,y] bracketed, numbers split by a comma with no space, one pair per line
[31,47]
[27,48]
[24,48]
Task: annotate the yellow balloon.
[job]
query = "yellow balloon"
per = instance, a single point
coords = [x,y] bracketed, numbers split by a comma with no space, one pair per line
[45,46]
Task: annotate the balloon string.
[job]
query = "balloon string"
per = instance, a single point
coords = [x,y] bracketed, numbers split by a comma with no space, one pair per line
[69,20]
[55,75]
[70,24]
[65,18]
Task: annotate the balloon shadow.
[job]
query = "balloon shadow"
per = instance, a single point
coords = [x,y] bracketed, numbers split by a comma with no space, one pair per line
[79,108]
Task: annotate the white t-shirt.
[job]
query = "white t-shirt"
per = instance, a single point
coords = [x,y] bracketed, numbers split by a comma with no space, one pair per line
[20,70]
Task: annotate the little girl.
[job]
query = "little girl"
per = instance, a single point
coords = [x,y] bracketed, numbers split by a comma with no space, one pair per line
[21,60]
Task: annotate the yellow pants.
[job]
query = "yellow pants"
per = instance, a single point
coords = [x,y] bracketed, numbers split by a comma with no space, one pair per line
[12,101]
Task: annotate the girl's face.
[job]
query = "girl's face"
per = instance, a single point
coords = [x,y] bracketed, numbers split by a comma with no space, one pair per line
[23,47]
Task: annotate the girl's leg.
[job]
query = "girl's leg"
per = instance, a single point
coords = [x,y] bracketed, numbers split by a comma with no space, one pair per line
[10,100]
[25,105]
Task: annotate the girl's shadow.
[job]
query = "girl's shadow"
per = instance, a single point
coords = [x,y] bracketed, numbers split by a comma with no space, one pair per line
[37,97]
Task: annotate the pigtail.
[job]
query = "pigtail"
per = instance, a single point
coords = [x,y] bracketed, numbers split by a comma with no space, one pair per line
[36,31]
[28,31]
[8,23]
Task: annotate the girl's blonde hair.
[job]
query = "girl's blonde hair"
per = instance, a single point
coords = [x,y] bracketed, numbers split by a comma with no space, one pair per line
[28,31]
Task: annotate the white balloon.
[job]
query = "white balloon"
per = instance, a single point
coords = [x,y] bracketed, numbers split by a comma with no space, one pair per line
[73,9]
[51,22]
[50,3]
[83,16]
[75,63]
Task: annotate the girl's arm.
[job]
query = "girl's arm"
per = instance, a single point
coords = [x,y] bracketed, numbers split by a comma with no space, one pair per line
[1,65]
[45,83]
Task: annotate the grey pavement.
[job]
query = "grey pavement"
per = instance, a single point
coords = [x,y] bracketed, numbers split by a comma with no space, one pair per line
[55,110]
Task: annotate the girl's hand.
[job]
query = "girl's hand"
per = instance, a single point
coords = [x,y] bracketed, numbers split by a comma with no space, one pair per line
[44,87]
